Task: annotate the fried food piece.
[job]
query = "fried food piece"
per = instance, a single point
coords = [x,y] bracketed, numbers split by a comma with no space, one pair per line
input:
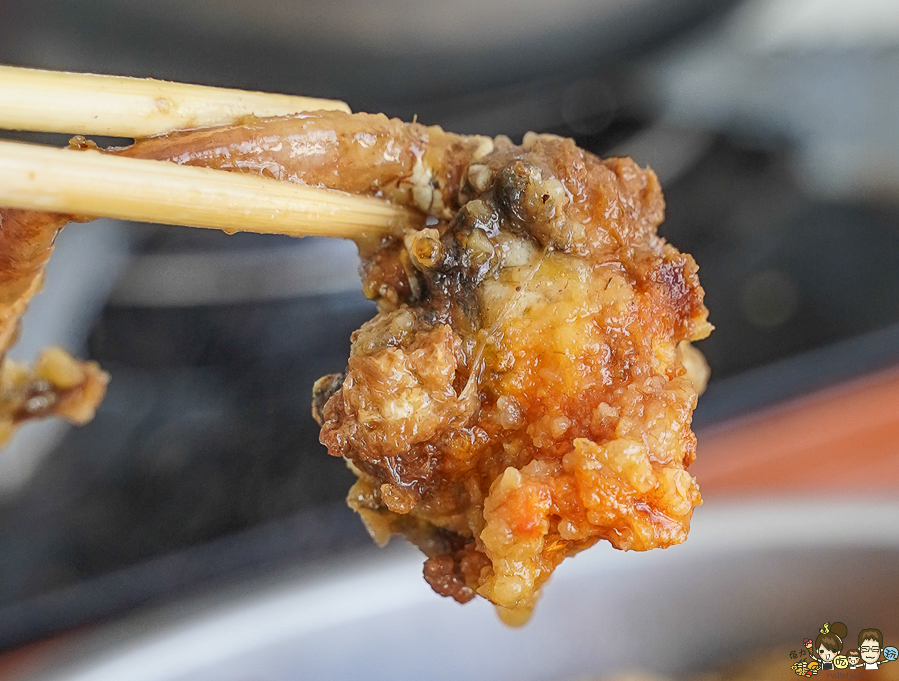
[57,385]
[524,391]
[364,154]
[26,243]
[527,386]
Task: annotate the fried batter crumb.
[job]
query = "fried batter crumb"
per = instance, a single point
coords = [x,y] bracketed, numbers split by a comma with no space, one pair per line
[57,385]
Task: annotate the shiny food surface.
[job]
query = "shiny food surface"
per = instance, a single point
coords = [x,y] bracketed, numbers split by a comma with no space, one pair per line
[523,392]
[527,386]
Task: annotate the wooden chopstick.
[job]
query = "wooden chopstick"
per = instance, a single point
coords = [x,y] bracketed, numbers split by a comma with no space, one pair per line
[87,104]
[94,184]
[89,183]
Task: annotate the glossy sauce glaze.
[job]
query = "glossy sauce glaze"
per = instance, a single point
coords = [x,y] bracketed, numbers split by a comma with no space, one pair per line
[366,154]
[523,392]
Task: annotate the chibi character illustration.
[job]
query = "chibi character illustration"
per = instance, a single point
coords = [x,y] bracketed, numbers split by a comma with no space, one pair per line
[853,658]
[829,644]
[870,648]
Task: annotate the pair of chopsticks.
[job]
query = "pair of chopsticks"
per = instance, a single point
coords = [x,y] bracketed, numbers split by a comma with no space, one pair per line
[90,183]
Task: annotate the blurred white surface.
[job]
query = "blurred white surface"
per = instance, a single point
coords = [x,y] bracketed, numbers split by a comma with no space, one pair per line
[769,25]
[749,576]
[818,75]
[311,266]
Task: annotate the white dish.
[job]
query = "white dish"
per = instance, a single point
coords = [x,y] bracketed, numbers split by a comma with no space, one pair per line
[749,577]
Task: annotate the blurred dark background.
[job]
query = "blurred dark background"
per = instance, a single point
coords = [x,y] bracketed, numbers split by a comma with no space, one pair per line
[772,126]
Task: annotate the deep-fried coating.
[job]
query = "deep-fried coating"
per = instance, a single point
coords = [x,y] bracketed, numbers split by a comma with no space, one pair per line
[361,154]
[527,386]
[523,392]
[57,385]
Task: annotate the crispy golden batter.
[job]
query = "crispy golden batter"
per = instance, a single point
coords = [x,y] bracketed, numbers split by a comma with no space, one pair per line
[57,385]
[523,392]
[527,386]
